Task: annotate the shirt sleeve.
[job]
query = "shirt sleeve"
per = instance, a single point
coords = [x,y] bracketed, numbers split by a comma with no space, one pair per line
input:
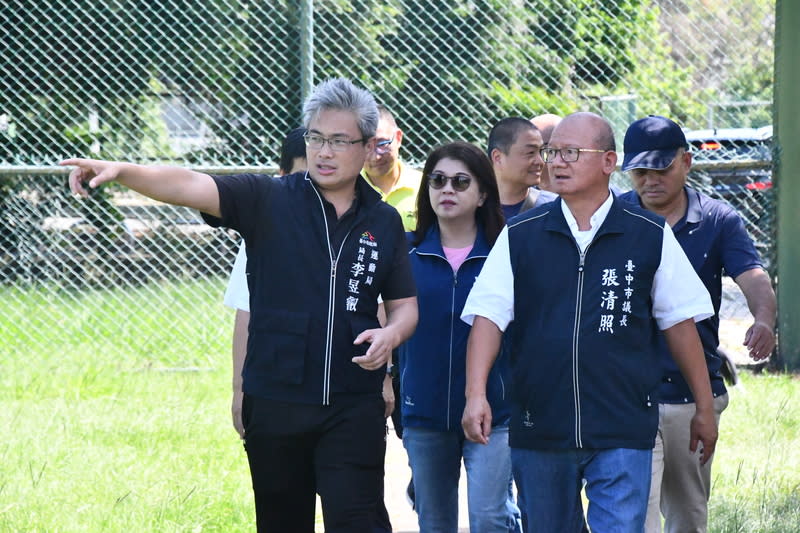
[492,295]
[240,196]
[738,252]
[678,294]
[237,295]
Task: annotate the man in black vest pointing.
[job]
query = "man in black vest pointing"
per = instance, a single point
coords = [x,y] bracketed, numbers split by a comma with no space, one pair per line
[321,248]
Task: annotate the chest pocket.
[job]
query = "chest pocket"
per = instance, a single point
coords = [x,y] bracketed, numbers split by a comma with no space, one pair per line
[365,267]
[277,346]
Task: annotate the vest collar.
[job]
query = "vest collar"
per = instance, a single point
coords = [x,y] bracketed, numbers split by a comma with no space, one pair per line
[432,243]
[367,196]
[555,220]
[530,199]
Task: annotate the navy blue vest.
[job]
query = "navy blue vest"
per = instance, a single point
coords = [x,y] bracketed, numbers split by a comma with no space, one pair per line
[433,361]
[585,371]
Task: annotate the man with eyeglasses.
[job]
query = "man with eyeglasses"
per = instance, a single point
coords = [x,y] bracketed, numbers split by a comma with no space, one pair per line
[402,183]
[397,182]
[584,363]
[714,238]
[321,247]
[514,148]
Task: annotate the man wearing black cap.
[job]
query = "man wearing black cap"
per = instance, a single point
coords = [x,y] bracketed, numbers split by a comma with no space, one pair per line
[714,238]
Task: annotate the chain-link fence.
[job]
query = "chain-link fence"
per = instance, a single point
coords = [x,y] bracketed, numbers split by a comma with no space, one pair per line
[217,83]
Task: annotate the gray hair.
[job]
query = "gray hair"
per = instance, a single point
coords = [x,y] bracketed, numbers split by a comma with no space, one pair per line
[341,95]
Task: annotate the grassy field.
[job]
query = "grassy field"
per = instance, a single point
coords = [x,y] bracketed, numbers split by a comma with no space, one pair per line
[756,474]
[101,439]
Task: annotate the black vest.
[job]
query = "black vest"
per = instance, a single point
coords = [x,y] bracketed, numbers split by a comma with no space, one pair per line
[314,284]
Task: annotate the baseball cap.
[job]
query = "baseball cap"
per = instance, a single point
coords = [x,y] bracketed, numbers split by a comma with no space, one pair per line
[652,142]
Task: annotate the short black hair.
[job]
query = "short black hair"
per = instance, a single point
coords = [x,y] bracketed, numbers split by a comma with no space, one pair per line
[505,133]
[292,147]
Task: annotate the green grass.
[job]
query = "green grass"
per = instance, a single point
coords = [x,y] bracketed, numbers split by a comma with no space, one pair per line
[114,409]
[125,451]
[115,412]
[756,473]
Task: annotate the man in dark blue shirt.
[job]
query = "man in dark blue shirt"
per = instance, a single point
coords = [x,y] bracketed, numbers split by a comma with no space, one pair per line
[716,243]
[514,148]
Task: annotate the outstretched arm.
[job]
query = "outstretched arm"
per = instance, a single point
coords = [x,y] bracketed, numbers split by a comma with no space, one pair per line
[687,351]
[757,289]
[172,185]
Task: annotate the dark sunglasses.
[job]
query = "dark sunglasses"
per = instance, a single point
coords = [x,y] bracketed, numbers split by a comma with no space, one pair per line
[460,182]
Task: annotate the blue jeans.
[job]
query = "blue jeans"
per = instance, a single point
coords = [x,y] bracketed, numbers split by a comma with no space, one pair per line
[435,459]
[617,483]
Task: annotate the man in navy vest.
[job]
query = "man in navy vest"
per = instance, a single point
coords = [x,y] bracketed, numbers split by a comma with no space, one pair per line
[321,248]
[714,238]
[584,363]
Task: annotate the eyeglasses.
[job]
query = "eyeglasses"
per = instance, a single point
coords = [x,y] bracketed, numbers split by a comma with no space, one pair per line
[337,144]
[384,146]
[460,182]
[568,155]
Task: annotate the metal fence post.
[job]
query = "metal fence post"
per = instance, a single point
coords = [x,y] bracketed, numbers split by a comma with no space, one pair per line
[306,49]
[787,168]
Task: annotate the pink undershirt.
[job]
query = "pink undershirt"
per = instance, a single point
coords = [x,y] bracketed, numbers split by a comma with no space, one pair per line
[456,256]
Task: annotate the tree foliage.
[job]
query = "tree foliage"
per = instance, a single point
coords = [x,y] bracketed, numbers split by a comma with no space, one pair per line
[448,69]
[70,58]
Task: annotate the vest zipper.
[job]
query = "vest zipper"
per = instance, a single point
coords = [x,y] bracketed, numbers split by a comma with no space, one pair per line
[326,378]
[450,354]
[452,328]
[326,392]
[575,346]
[575,343]
[326,375]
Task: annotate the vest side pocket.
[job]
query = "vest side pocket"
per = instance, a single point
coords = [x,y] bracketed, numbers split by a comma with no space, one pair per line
[278,346]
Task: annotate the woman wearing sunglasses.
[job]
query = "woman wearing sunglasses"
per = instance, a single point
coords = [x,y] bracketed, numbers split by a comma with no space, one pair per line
[458,219]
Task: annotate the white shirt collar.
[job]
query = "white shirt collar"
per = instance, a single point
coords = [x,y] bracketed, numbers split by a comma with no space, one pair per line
[583,238]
